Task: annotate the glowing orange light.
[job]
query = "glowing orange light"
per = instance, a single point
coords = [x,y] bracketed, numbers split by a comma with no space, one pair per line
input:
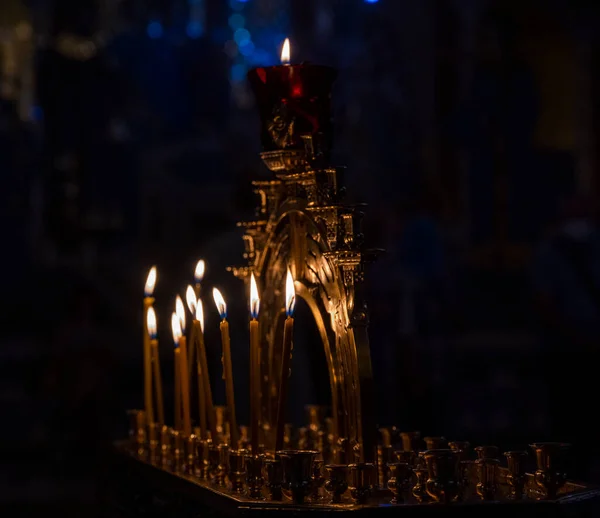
[176,327]
[199,272]
[190,298]
[254,299]
[290,294]
[220,303]
[285,52]
[150,282]
[151,322]
[200,314]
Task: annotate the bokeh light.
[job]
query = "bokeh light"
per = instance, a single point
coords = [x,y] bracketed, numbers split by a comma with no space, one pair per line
[154,30]
[237,21]
[238,72]
[241,36]
[194,29]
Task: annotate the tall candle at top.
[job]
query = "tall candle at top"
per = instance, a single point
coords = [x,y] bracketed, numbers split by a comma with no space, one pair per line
[293,100]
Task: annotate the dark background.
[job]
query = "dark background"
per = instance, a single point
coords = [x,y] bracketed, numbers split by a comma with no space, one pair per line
[128,137]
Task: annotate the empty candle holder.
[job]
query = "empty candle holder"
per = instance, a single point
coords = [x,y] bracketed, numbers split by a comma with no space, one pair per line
[137,431]
[166,445]
[487,452]
[435,443]
[297,472]
[154,442]
[399,482]
[411,441]
[337,483]
[443,482]
[178,454]
[486,473]
[385,455]
[202,458]
[237,470]
[409,457]
[516,473]
[318,479]
[213,462]
[222,465]
[550,474]
[362,479]
[190,454]
[274,478]
[254,476]
[461,448]
[419,490]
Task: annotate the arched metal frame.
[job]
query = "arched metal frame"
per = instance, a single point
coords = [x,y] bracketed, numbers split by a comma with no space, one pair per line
[303,225]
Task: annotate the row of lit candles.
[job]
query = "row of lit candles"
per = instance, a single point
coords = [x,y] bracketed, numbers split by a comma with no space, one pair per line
[186,350]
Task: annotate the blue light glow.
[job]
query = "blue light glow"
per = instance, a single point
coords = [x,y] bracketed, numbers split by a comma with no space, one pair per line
[371,1]
[154,30]
[247,49]
[194,29]
[241,36]
[238,72]
[237,21]
[236,5]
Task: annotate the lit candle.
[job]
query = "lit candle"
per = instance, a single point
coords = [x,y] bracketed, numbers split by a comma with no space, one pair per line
[158,392]
[185,380]
[254,366]
[192,302]
[148,301]
[176,327]
[190,298]
[203,371]
[288,330]
[198,276]
[227,366]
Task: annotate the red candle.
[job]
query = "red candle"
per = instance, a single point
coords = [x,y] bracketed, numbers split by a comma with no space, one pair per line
[293,100]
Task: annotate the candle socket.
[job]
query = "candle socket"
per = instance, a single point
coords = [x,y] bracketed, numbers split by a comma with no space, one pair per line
[223,465]
[399,482]
[421,472]
[443,470]
[137,431]
[411,441]
[178,456]
[254,476]
[516,473]
[237,470]
[385,455]
[154,442]
[202,458]
[435,443]
[297,472]
[486,472]
[191,445]
[487,452]
[337,483]
[213,462]
[274,478]
[318,480]
[166,444]
[363,476]
[409,457]
[461,448]
[551,474]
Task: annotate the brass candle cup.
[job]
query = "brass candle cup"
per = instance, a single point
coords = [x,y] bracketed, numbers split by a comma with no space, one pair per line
[297,472]
[550,474]
[410,457]
[154,442]
[337,483]
[318,479]
[486,473]
[385,455]
[487,452]
[202,456]
[399,482]
[467,468]
[434,443]
[237,470]
[254,476]
[223,464]
[419,490]
[178,451]
[362,479]
[411,441]
[516,473]
[213,462]
[443,482]
[137,431]
[166,445]
[191,445]
[462,449]
[274,478]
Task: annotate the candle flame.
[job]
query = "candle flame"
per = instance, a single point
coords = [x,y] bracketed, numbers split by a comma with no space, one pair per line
[254,300]
[200,314]
[220,303]
[150,282]
[285,52]
[180,311]
[199,272]
[176,327]
[190,298]
[290,294]
[151,323]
